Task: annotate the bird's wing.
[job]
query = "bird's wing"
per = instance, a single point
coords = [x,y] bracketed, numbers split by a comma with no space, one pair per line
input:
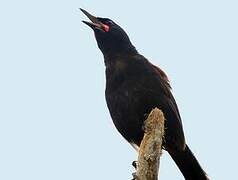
[160,72]
[159,94]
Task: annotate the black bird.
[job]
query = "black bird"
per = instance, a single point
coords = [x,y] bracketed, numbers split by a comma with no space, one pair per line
[134,86]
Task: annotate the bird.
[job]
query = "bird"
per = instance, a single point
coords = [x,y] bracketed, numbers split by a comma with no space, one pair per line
[134,86]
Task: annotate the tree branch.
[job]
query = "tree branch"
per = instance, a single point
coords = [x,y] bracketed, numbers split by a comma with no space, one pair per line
[151,147]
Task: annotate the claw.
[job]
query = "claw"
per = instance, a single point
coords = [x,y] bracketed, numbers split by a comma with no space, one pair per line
[134,164]
[134,176]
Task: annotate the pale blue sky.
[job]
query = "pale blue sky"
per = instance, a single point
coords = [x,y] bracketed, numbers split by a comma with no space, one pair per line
[54,123]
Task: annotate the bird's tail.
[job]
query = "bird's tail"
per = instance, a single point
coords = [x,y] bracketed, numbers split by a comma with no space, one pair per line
[188,164]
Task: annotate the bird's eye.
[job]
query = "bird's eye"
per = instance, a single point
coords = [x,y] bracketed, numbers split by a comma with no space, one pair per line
[109,22]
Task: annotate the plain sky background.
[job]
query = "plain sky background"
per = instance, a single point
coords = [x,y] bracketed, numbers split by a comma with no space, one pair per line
[54,123]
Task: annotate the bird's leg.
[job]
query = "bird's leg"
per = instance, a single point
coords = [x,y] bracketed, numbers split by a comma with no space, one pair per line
[134,164]
[134,176]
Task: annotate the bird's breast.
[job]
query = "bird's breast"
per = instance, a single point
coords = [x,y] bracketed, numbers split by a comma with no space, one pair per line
[127,110]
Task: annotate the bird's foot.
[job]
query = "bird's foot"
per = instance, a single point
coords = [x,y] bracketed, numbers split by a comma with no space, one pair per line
[134,176]
[134,164]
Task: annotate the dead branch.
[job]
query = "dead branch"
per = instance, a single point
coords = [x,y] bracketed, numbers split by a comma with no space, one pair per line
[151,147]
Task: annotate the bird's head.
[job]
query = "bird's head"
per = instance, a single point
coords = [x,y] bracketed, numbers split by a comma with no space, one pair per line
[111,38]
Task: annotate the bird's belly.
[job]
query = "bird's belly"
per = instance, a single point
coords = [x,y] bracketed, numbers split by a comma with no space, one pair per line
[128,113]
[130,103]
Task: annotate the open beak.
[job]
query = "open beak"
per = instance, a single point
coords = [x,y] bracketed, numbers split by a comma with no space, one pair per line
[95,24]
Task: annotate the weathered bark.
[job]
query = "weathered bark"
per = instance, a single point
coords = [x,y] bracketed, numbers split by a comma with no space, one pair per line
[151,147]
